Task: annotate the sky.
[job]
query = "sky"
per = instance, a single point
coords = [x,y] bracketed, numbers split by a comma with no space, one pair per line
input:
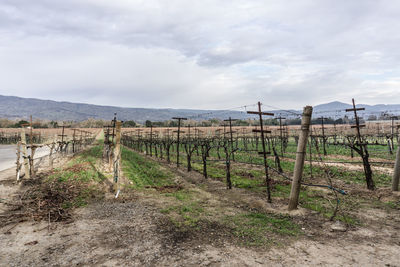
[201,54]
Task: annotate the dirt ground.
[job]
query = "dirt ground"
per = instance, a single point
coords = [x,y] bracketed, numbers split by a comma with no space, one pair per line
[131,231]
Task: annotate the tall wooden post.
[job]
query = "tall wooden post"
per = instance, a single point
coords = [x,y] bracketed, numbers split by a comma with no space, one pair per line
[25,153]
[18,152]
[323,135]
[53,145]
[231,136]
[264,152]
[177,145]
[300,156]
[281,133]
[117,156]
[73,141]
[151,140]
[396,174]
[362,148]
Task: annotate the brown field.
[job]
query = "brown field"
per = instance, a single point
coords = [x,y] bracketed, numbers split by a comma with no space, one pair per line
[48,133]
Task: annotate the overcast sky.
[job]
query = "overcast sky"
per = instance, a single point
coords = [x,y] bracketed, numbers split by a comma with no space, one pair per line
[201,54]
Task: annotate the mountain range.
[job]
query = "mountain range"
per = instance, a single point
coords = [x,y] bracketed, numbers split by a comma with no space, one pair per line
[12,107]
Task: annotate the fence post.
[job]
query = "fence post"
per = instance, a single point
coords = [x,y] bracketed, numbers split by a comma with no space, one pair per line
[25,153]
[178,138]
[117,156]
[300,156]
[52,147]
[18,152]
[396,174]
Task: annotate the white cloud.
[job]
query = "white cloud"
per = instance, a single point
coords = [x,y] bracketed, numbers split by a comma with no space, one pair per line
[200,54]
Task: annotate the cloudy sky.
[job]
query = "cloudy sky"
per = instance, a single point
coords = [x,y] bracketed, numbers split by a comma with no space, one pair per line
[201,54]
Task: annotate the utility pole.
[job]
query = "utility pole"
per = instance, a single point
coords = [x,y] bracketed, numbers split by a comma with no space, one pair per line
[179,131]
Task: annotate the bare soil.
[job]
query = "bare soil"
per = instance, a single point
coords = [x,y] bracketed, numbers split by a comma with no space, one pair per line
[132,231]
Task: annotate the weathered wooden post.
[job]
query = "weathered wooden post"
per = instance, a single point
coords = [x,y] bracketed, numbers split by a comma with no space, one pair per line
[25,153]
[264,152]
[73,141]
[323,135]
[18,152]
[396,174]
[117,156]
[178,137]
[280,133]
[53,145]
[300,156]
[231,135]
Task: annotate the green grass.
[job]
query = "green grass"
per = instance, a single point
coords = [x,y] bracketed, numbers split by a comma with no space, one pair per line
[81,168]
[260,229]
[181,195]
[144,172]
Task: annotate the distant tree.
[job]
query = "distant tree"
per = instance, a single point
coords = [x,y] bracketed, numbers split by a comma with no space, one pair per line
[339,121]
[241,123]
[148,123]
[215,122]
[128,124]
[53,124]
[205,123]
[270,122]
[294,121]
[20,123]
[172,124]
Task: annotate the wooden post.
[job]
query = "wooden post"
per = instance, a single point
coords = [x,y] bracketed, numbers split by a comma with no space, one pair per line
[231,135]
[362,148]
[281,133]
[33,149]
[18,152]
[264,152]
[53,145]
[300,156]
[25,153]
[323,135]
[396,174]
[177,144]
[151,140]
[73,141]
[117,156]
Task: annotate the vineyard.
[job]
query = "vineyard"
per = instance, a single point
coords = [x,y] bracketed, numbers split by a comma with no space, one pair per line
[194,195]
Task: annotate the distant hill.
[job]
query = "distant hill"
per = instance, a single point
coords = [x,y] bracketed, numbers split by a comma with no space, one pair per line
[12,107]
[338,110]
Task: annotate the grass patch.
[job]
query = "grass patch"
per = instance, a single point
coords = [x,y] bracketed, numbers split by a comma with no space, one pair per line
[260,229]
[80,168]
[181,195]
[144,172]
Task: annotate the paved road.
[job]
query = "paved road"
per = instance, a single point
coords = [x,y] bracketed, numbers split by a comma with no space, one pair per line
[8,156]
